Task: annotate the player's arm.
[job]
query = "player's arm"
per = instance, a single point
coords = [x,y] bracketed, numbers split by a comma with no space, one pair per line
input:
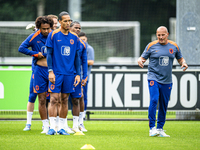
[90,56]
[50,64]
[183,63]
[84,66]
[77,68]
[141,61]
[23,48]
[90,62]
[145,55]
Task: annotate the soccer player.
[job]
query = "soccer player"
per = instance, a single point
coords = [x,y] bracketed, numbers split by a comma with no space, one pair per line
[55,26]
[62,59]
[37,42]
[31,101]
[55,21]
[161,54]
[77,96]
[90,62]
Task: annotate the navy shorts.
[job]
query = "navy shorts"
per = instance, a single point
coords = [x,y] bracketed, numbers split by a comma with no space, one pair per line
[63,84]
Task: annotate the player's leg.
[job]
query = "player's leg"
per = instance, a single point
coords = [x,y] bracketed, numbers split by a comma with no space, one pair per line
[154,95]
[85,89]
[63,113]
[164,97]
[68,87]
[52,110]
[76,111]
[30,105]
[47,102]
[41,86]
[76,95]
[58,110]
[81,115]
[66,127]
[54,90]
[47,105]
[43,111]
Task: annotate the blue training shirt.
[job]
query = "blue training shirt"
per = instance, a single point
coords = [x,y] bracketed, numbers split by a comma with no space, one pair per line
[90,56]
[161,59]
[83,58]
[64,51]
[37,43]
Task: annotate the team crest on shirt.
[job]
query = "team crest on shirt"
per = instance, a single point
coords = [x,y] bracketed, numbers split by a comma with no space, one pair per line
[163,60]
[44,49]
[72,41]
[171,51]
[65,50]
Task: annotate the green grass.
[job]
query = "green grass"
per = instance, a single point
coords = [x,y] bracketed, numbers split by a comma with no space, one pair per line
[103,135]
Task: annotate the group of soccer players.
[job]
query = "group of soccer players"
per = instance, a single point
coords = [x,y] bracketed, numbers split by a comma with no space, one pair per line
[59,57]
[60,68]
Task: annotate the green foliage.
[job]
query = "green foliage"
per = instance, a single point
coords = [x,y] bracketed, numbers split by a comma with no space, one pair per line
[150,13]
[18,10]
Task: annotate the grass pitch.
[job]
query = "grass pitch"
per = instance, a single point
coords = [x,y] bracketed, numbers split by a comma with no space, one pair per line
[103,135]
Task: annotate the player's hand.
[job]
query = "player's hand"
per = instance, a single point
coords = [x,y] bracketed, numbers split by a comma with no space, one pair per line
[77,80]
[52,77]
[141,62]
[184,65]
[83,82]
[40,55]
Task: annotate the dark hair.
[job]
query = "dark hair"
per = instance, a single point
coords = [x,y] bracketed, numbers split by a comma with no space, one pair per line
[73,23]
[62,14]
[42,20]
[82,34]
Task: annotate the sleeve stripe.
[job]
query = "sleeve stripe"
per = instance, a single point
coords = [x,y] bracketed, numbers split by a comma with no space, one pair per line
[151,44]
[82,43]
[36,34]
[73,33]
[54,32]
[173,43]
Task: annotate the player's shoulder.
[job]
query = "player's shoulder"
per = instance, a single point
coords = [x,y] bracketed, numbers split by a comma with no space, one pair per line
[83,43]
[54,32]
[173,43]
[73,34]
[152,44]
[34,35]
[90,47]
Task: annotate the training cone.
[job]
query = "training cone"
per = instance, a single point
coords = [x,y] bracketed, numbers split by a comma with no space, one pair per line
[87,146]
[79,133]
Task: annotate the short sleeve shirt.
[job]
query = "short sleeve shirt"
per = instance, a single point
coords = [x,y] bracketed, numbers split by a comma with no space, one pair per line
[161,59]
[64,51]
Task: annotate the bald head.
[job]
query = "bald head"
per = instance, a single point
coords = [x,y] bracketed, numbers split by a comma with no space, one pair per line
[162,28]
[162,35]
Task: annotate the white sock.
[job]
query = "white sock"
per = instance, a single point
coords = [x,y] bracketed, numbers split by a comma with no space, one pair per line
[81,118]
[52,122]
[45,122]
[29,117]
[84,114]
[75,121]
[57,121]
[61,123]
